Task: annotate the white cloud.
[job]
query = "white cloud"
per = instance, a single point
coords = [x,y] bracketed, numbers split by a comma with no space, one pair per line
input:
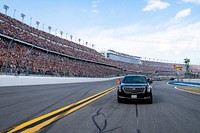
[180,15]
[95,3]
[94,6]
[95,11]
[84,10]
[173,43]
[192,1]
[183,13]
[154,5]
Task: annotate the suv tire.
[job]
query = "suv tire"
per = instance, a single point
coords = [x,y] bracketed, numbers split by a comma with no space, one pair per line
[150,101]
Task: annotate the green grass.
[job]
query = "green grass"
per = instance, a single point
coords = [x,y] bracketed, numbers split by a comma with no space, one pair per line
[197,90]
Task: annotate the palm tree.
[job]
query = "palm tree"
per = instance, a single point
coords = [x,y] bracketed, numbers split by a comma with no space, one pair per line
[187,65]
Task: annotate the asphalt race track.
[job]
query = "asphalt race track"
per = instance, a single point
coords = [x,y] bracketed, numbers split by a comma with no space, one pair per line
[172,111]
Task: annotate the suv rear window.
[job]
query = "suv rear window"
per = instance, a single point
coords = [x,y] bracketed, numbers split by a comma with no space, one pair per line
[134,79]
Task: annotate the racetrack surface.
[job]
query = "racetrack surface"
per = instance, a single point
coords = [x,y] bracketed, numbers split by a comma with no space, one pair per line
[172,111]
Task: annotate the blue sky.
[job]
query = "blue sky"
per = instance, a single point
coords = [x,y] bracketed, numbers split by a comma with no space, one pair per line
[158,29]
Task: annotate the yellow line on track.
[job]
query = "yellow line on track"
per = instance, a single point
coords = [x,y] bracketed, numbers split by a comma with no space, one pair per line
[35,124]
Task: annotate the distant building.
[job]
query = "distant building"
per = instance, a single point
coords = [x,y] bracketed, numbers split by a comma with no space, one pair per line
[111,54]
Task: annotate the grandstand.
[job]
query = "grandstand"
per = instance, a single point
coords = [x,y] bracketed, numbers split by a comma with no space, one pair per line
[32,51]
[113,55]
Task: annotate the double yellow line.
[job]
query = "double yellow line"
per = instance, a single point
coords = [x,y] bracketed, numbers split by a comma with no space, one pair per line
[38,123]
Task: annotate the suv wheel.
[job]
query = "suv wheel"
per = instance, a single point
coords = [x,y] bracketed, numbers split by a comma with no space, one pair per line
[150,101]
[119,100]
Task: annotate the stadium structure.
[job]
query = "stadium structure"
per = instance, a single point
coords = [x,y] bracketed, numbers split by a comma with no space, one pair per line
[28,50]
[113,55]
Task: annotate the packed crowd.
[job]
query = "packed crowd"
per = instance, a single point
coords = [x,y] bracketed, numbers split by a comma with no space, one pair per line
[18,30]
[50,54]
[28,59]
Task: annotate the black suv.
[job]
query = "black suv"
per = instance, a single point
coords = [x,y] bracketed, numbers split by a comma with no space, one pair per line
[134,87]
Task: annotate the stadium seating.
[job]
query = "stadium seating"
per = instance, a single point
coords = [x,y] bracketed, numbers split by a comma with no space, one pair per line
[37,52]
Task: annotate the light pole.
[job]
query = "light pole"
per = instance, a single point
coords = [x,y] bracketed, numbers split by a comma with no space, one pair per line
[71,37]
[75,39]
[49,27]
[61,33]
[66,35]
[43,27]
[37,23]
[22,15]
[14,13]
[30,21]
[6,8]
[55,32]
[79,40]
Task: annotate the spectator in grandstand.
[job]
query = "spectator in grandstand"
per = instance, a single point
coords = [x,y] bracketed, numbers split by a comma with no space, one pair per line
[32,52]
[1,63]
